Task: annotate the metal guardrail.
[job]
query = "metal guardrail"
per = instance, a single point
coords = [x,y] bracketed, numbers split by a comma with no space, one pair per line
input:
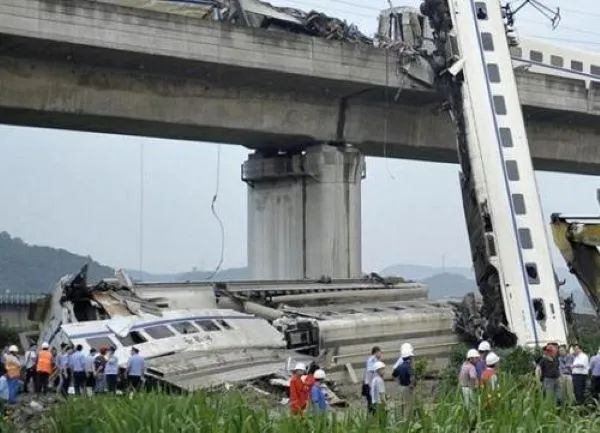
[19,298]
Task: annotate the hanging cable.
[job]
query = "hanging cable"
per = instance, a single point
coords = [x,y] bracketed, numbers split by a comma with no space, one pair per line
[213,209]
[387,114]
[141,214]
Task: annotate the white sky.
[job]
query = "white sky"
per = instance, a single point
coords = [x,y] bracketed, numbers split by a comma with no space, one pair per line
[81,191]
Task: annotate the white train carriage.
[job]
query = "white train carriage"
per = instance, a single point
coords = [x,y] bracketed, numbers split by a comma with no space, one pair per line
[173,332]
[549,59]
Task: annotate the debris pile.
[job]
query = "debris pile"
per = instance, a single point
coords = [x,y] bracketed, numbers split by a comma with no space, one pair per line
[29,413]
[259,14]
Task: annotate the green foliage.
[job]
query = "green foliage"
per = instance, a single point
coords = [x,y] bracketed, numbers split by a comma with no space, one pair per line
[449,376]
[420,368]
[519,406]
[519,361]
[8,336]
[31,269]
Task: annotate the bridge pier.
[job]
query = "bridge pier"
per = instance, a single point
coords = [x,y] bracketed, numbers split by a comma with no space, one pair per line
[304,213]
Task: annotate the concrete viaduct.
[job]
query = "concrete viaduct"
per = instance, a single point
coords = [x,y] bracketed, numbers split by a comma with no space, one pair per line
[101,66]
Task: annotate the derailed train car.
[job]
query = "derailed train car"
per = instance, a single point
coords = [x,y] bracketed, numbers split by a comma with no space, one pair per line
[205,334]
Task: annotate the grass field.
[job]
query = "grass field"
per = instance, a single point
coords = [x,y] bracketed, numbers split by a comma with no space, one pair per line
[518,407]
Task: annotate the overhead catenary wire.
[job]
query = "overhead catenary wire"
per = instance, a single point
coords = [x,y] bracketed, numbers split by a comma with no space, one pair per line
[574,41]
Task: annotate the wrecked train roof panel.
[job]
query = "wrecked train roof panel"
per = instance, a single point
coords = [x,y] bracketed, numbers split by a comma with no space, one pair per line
[196,370]
[142,320]
[379,309]
[262,8]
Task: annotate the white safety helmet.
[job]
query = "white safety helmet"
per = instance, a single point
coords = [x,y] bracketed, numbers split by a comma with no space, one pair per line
[484,346]
[492,359]
[45,345]
[319,374]
[472,353]
[378,365]
[13,349]
[300,366]
[406,350]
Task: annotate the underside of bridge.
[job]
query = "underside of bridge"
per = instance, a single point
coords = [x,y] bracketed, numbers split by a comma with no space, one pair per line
[298,101]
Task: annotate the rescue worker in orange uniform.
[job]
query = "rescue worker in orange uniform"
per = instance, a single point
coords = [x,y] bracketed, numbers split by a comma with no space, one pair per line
[13,373]
[298,390]
[44,368]
[490,374]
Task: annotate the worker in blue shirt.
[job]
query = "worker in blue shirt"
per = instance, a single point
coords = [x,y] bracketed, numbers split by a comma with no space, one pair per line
[484,349]
[318,400]
[135,369]
[78,367]
[66,370]
[405,376]
[4,392]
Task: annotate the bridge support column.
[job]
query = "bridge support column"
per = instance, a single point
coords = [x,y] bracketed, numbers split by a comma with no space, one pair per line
[304,213]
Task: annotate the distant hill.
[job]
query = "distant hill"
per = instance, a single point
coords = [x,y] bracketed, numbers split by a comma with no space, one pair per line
[448,285]
[28,268]
[421,272]
[458,281]
[231,274]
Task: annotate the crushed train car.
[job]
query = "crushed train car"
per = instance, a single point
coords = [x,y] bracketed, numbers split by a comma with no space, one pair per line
[204,334]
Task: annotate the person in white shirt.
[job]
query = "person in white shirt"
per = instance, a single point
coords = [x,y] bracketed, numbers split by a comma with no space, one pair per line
[378,389]
[90,377]
[29,363]
[580,371]
[111,371]
[375,357]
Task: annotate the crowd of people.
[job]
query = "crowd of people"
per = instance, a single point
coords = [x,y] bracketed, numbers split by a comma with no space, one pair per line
[66,369]
[563,373]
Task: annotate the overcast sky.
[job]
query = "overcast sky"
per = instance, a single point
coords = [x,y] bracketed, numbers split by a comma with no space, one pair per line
[81,191]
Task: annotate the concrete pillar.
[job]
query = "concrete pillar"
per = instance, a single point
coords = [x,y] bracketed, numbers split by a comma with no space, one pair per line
[304,213]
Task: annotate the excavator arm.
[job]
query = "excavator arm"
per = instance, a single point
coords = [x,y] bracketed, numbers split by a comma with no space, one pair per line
[578,239]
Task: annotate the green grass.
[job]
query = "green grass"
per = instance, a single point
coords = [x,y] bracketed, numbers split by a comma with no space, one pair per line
[518,407]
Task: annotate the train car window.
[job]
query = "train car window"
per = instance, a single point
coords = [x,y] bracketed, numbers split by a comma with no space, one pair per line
[185,328]
[576,65]
[532,273]
[224,324]
[516,51]
[519,204]
[557,61]
[506,137]
[525,237]
[493,72]
[481,9]
[500,104]
[100,342]
[132,338]
[207,325]
[512,170]
[595,70]
[491,245]
[158,332]
[536,56]
[487,41]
